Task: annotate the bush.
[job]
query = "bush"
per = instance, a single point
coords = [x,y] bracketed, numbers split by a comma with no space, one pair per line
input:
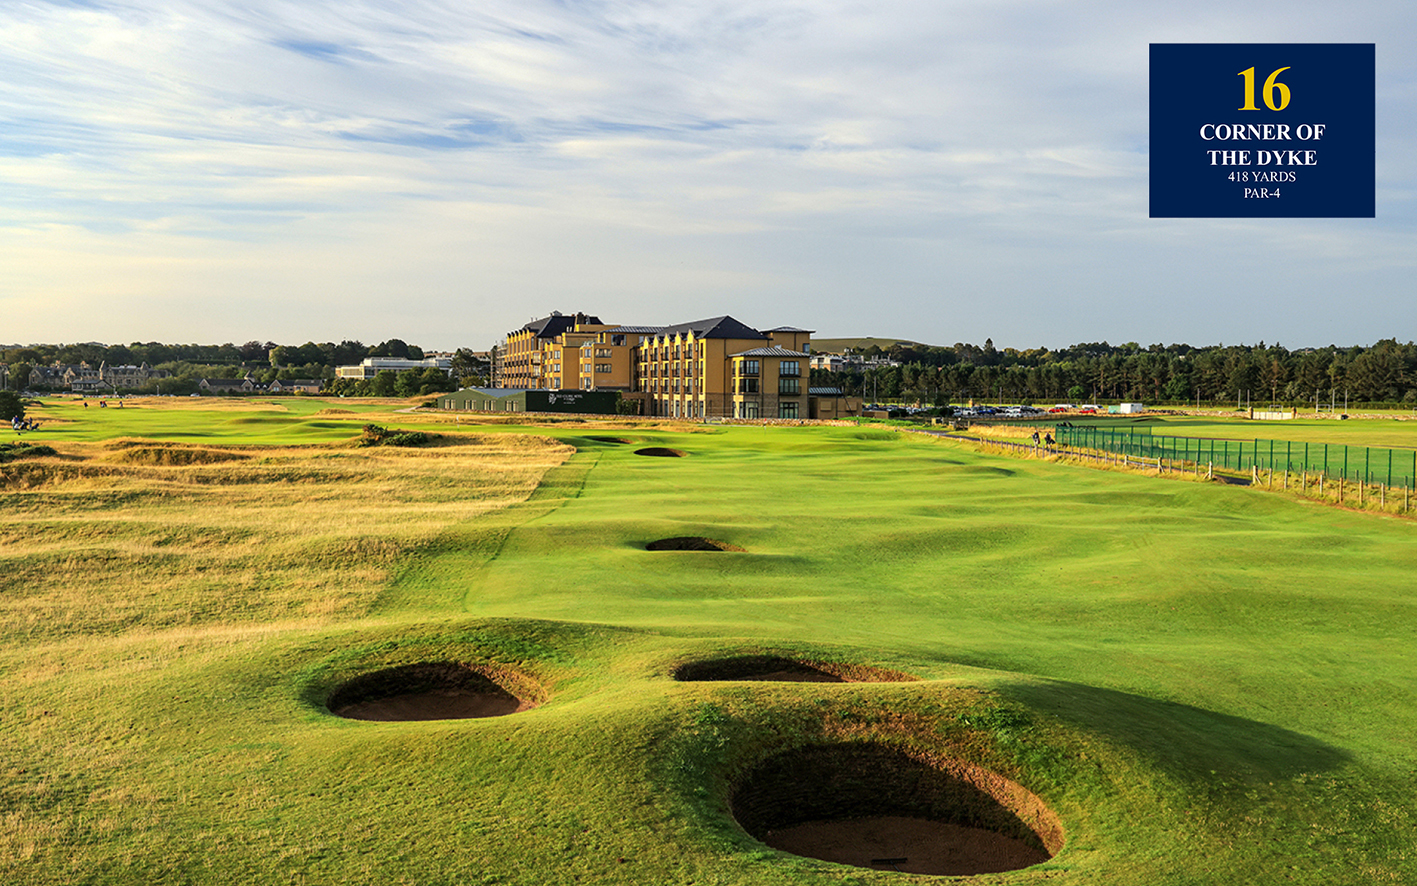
[11,406]
[374,435]
[10,451]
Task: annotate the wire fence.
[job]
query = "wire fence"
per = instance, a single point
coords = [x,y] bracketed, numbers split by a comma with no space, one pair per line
[1336,461]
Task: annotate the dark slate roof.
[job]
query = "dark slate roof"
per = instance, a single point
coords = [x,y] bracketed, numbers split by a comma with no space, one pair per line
[635,330]
[714,327]
[550,327]
[789,329]
[824,392]
[769,352]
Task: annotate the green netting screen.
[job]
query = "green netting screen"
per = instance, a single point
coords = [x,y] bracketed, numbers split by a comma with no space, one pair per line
[1366,464]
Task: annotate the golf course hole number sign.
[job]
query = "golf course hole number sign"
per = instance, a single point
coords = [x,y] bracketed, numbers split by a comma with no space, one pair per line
[1262,130]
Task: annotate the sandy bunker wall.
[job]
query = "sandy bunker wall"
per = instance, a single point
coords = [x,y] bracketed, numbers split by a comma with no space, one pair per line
[858,780]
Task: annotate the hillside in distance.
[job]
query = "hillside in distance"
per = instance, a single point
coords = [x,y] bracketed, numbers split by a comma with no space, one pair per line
[860,343]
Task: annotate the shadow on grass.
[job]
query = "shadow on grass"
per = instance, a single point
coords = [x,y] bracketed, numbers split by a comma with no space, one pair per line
[1187,743]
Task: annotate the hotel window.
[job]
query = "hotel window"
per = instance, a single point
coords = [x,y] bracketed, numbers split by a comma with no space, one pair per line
[787,410]
[789,386]
[604,367]
[789,367]
[602,352]
[617,339]
[747,385]
[748,367]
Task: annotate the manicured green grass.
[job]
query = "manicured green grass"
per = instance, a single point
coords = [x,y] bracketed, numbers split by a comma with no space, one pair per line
[1207,684]
[1398,434]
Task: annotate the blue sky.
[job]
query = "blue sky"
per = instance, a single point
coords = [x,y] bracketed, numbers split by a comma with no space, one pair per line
[441,173]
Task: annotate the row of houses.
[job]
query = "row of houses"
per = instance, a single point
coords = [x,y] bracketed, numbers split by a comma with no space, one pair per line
[84,378]
[105,378]
[713,368]
[248,385]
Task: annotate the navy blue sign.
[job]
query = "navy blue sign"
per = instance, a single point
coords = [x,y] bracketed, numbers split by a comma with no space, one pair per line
[1262,130]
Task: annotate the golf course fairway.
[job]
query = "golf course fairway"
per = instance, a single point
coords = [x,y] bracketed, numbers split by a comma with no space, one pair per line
[1171,681]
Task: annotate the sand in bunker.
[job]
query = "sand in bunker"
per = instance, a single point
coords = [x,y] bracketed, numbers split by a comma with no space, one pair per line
[439,704]
[929,847]
[803,674]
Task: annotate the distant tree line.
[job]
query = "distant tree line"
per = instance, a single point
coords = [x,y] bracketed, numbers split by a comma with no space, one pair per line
[1383,373]
[263,361]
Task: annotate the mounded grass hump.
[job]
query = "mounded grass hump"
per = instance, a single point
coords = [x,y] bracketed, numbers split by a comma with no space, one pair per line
[872,805]
[173,454]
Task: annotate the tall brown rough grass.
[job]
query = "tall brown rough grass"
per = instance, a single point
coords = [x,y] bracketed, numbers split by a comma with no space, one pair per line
[115,537]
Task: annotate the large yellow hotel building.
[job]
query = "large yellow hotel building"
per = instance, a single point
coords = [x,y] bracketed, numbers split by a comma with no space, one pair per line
[721,368]
[714,368]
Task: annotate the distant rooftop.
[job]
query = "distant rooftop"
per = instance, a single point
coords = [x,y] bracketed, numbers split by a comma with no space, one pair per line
[636,330]
[498,392]
[770,352]
[714,327]
[557,323]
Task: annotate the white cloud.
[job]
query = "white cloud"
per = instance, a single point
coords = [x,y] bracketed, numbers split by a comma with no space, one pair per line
[982,165]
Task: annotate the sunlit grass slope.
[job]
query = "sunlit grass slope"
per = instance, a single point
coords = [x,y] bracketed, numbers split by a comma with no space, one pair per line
[1207,684]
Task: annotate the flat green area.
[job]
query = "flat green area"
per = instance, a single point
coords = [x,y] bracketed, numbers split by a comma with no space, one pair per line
[1394,433]
[1207,684]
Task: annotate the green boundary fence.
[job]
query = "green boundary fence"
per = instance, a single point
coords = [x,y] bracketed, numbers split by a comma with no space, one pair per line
[1337,461]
